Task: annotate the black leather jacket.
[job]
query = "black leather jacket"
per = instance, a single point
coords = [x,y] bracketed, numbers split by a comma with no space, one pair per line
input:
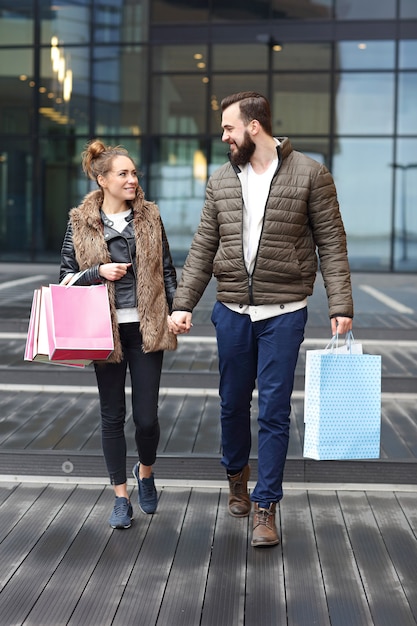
[122,249]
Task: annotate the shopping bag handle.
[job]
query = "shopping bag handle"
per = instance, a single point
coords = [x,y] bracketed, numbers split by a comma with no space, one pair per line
[334,342]
[74,278]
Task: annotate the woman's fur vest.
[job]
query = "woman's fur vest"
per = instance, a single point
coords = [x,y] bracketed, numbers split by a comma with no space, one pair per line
[90,249]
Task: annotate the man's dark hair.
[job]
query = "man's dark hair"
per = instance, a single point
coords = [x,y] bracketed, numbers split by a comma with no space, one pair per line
[253,106]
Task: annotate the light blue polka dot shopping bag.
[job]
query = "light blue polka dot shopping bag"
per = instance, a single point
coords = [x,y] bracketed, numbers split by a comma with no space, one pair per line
[342,405]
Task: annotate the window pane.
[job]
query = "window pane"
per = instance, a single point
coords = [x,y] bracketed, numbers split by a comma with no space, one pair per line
[179,58]
[363,176]
[16,23]
[366,55]
[234,11]
[301,104]
[168,11]
[407,99]
[178,182]
[120,22]
[179,104]
[365,104]
[16,88]
[15,199]
[317,148]
[120,89]
[300,9]
[408,55]
[362,10]
[224,85]
[65,185]
[299,56]
[246,57]
[68,20]
[219,151]
[64,89]
[405,249]
[408,8]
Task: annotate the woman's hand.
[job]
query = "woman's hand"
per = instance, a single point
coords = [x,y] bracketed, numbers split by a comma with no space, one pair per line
[113,271]
[179,322]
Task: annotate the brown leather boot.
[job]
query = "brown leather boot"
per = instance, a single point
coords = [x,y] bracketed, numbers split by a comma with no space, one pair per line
[264,529]
[239,502]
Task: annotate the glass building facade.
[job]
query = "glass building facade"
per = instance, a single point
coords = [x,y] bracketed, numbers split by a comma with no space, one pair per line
[341,76]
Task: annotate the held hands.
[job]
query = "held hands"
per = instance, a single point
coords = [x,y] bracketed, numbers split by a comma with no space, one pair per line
[179,322]
[341,325]
[114,271]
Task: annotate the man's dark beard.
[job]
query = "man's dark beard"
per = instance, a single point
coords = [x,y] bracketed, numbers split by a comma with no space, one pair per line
[243,154]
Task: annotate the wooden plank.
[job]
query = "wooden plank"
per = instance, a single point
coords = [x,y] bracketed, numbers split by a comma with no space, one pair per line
[69,414]
[185,429]
[400,542]
[77,565]
[40,417]
[74,434]
[104,591]
[346,598]
[408,503]
[61,512]
[145,586]
[17,413]
[306,598]
[387,601]
[265,584]
[224,601]
[16,502]
[208,436]
[184,594]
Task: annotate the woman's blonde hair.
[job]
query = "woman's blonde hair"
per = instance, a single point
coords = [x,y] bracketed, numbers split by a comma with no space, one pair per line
[97,158]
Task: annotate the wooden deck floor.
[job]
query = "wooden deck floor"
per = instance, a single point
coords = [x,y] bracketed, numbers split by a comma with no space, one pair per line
[349,529]
[347,557]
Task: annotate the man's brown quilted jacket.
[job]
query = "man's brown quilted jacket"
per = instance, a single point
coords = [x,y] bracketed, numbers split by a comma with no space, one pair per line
[301,217]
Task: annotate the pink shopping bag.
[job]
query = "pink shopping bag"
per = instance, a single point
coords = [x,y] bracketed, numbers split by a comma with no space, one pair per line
[37,344]
[79,322]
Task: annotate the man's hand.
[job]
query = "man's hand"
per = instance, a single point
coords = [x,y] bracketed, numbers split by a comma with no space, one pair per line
[341,325]
[179,322]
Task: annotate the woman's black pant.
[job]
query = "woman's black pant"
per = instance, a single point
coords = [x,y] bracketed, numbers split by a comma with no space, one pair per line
[145,374]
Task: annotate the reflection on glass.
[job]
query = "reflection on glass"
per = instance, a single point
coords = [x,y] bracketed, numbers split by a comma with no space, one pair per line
[408,54]
[246,57]
[16,23]
[64,88]
[365,104]
[363,10]
[224,85]
[300,9]
[235,11]
[68,20]
[120,22]
[365,55]
[119,89]
[301,104]
[303,56]
[179,104]
[405,248]
[190,58]
[408,8]
[17,90]
[407,99]
[178,175]
[15,199]
[363,176]
[169,11]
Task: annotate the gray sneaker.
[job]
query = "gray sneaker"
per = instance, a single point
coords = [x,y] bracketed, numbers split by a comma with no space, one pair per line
[122,514]
[147,495]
